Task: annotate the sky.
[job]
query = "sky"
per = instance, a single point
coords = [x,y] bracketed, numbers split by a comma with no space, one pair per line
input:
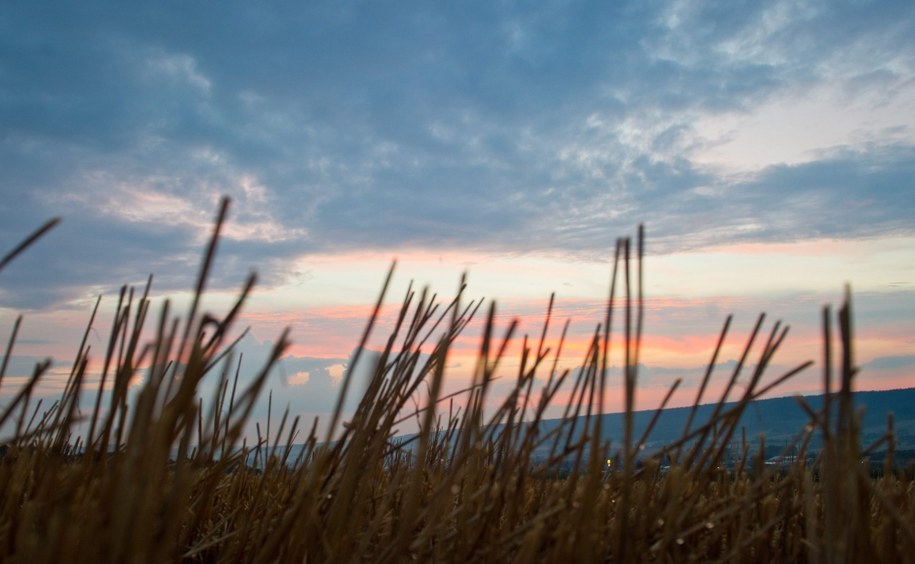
[767,147]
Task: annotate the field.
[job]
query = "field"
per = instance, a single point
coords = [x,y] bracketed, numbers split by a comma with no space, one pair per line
[167,477]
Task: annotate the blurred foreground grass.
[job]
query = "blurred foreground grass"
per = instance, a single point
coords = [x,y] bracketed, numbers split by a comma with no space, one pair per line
[471,485]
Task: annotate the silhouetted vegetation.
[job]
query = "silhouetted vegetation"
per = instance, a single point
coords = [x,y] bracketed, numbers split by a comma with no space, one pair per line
[473,484]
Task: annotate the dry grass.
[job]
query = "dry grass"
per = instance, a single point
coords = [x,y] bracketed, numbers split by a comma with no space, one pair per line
[472,485]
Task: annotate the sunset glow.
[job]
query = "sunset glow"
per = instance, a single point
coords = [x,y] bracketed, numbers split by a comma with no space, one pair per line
[769,151]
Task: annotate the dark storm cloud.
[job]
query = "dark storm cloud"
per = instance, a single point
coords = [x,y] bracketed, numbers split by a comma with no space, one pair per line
[339,126]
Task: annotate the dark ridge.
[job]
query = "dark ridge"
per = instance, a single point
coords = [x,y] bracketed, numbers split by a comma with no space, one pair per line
[779,419]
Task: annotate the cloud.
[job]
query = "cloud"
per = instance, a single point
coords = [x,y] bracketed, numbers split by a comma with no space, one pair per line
[891,362]
[488,127]
[846,194]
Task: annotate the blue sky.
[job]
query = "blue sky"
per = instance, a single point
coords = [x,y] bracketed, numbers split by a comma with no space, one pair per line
[769,147]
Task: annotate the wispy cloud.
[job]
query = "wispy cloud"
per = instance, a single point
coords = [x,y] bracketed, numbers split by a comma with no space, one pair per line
[480,128]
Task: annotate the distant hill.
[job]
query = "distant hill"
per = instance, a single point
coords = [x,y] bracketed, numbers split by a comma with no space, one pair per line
[779,419]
